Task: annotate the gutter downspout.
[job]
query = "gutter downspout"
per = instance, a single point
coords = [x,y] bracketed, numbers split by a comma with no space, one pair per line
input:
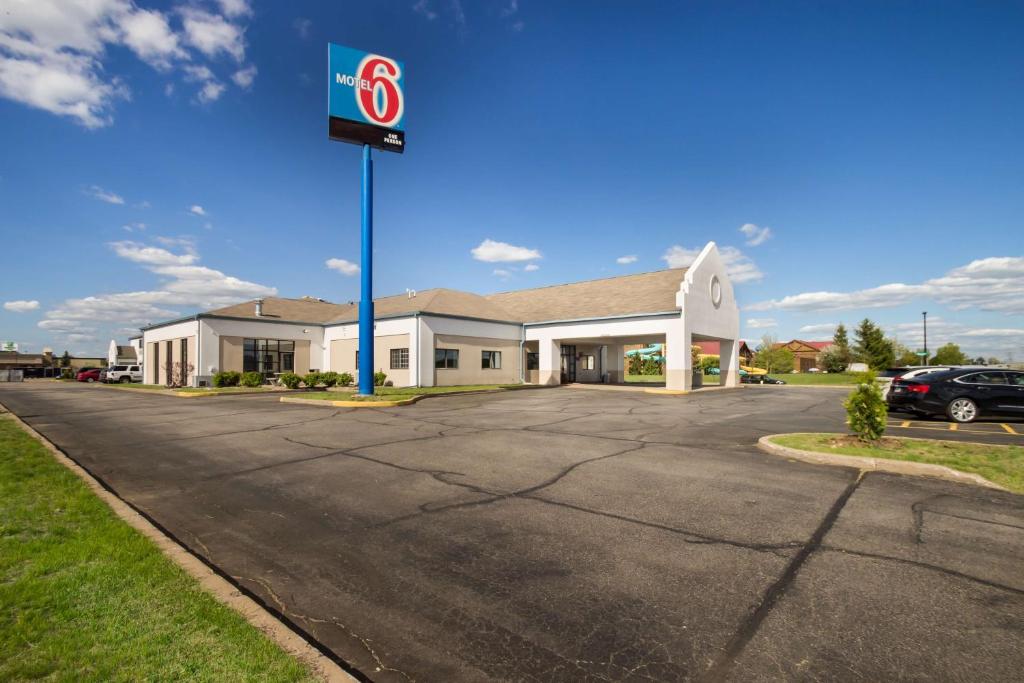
[419,360]
[522,345]
[199,352]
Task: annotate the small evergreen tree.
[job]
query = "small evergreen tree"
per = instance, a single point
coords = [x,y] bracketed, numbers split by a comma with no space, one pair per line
[866,410]
[871,346]
[65,360]
[841,344]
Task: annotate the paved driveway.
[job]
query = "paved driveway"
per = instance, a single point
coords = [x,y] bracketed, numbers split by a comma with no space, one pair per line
[567,534]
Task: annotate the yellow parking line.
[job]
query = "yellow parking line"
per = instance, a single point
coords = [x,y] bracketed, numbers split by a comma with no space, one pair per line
[906,423]
[1008,428]
[953,426]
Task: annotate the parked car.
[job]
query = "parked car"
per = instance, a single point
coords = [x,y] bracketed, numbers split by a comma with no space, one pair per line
[759,379]
[122,373]
[907,373]
[88,375]
[963,395]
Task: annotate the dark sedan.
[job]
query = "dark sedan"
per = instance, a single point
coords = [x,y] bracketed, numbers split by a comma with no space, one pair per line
[759,379]
[961,395]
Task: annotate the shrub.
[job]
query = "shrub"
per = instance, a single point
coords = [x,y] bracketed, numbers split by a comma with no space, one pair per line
[289,379]
[311,379]
[252,379]
[228,378]
[866,409]
[379,378]
[345,379]
[67,373]
[329,378]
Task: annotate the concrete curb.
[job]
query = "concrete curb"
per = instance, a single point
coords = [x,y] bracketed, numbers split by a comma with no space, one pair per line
[220,588]
[352,404]
[867,464]
[191,394]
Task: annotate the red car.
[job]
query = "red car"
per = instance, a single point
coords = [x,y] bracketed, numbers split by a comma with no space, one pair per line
[88,375]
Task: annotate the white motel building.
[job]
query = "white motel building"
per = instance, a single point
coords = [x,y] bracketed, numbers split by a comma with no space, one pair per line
[441,337]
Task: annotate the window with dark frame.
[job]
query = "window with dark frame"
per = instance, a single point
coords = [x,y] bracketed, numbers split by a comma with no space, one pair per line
[491,360]
[268,356]
[587,362]
[532,360]
[446,359]
[399,359]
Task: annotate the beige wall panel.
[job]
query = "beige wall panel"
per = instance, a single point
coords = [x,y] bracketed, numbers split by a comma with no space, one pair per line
[193,356]
[588,375]
[470,355]
[302,357]
[230,354]
[343,357]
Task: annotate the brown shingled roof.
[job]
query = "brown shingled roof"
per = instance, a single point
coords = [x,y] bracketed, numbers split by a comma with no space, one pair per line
[653,292]
[624,295]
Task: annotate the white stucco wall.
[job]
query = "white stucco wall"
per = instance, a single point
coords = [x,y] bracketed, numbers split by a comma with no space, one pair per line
[212,329]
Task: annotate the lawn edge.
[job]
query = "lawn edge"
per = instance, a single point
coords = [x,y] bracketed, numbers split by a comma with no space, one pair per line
[225,592]
[869,464]
[191,394]
[402,401]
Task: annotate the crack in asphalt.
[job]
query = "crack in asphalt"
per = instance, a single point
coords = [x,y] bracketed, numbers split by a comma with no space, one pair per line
[497,497]
[720,668]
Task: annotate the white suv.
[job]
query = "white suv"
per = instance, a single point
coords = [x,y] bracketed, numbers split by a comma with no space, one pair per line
[122,373]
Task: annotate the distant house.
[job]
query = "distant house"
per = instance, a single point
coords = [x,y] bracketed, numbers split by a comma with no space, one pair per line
[121,355]
[805,353]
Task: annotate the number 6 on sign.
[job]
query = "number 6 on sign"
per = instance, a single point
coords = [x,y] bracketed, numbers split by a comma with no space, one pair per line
[382,100]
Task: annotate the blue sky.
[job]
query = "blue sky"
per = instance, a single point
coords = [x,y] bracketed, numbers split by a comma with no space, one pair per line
[851,160]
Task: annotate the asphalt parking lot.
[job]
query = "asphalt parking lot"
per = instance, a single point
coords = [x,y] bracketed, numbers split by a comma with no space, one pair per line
[568,534]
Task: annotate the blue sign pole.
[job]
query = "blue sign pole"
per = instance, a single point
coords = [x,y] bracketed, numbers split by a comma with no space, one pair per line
[366,292]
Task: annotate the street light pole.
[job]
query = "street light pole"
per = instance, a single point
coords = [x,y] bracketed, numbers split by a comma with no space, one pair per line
[924,315]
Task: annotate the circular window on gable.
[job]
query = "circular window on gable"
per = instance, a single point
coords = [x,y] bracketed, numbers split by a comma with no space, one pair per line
[716,291]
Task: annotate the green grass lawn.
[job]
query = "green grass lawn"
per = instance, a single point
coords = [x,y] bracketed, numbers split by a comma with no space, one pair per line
[84,597]
[819,378]
[1003,465]
[660,379]
[192,390]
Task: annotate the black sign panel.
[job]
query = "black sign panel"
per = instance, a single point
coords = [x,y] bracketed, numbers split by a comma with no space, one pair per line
[357,133]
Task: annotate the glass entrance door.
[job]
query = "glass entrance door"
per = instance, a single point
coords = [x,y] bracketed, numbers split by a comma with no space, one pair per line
[568,364]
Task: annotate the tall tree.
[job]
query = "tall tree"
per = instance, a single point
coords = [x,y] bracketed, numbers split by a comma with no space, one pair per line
[65,360]
[870,346]
[841,343]
[950,354]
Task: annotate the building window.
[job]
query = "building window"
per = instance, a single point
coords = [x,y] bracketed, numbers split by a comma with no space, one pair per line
[399,359]
[586,362]
[532,361]
[446,359]
[357,361]
[491,360]
[268,356]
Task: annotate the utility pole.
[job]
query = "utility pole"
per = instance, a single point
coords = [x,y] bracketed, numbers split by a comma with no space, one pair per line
[924,315]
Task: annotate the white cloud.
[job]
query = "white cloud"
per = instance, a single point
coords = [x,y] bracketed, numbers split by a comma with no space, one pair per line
[21,306]
[626,260]
[148,35]
[105,196]
[53,52]
[243,78]
[761,323]
[827,329]
[989,284]
[132,227]
[974,341]
[422,7]
[531,267]
[210,91]
[502,272]
[302,26]
[342,266]
[491,251]
[153,256]
[235,8]
[211,34]
[197,210]
[183,285]
[754,234]
[738,265]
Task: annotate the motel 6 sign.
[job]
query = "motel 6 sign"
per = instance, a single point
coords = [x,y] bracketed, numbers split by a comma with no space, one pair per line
[365,98]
